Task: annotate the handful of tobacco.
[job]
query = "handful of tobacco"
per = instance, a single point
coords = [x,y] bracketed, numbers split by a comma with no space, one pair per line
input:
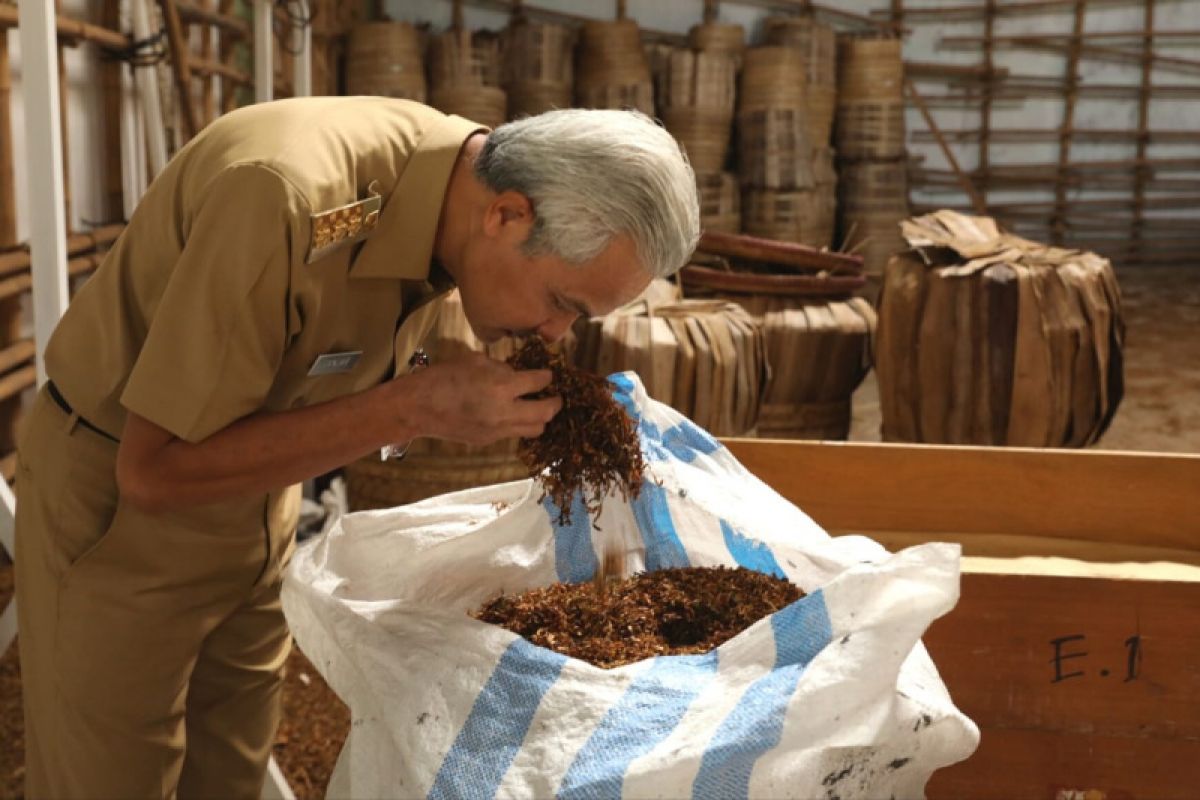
[591,446]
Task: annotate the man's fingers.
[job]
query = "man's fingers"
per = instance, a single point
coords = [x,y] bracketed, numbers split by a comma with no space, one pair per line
[538,411]
[530,381]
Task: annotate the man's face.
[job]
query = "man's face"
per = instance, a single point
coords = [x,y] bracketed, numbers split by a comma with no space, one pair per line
[507,293]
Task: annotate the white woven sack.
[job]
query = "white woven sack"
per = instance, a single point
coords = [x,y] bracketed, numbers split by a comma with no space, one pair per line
[831,697]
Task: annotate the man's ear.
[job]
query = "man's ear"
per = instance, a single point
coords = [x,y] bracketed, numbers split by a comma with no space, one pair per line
[508,214]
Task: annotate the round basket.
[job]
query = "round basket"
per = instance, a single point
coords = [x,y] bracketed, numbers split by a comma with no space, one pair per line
[696,94]
[612,71]
[807,216]
[870,100]
[704,358]
[819,350]
[465,76]
[772,77]
[720,202]
[434,466]
[873,202]
[773,149]
[719,37]
[384,58]
[817,44]
[538,68]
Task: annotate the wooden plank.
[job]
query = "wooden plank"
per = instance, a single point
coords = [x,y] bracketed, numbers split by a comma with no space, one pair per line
[8,202]
[17,381]
[1092,495]
[1076,683]
[18,352]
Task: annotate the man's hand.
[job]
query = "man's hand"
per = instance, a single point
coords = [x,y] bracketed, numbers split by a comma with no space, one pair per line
[475,400]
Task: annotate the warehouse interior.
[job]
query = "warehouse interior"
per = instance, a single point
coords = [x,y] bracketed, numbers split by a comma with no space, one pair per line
[860,139]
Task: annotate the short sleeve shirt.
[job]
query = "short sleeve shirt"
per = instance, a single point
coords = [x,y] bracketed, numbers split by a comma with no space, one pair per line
[226,289]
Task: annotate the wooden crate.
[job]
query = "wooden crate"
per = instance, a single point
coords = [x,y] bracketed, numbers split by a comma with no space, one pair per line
[1084,686]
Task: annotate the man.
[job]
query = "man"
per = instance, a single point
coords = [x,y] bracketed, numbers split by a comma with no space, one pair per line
[252,329]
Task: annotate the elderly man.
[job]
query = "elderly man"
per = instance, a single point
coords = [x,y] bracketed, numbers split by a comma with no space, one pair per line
[251,329]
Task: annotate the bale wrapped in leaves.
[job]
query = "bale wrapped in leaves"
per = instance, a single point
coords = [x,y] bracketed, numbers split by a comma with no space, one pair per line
[988,338]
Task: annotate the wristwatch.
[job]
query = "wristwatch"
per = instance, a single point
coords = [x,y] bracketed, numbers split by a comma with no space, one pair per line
[395,452]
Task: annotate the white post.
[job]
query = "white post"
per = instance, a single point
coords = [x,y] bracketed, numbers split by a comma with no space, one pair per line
[8,511]
[264,70]
[147,81]
[43,153]
[302,66]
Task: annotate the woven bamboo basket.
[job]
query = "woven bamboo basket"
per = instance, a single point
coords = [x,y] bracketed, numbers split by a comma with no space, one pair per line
[873,202]
[696,94]
[719,37]
[433,466]
[773,148]
[807,216]
[720,202]
[819,350]
[817,44]
[465,76]
[705,358]
[612,71]
[989,339]
[538,66]
[385,58]
[870,99]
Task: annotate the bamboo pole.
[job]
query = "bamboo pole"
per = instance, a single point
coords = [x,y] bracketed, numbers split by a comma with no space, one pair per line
[1034,135]
[1139,186]
[8,199]
[965,182]
[229,25]
[63,109]
[110,80]
[985,106]
[227,55]
[710,11]
[179,64]
[208,104]
[959,13]
[71,31]
[1058,223]
[18,259]
[1075,45]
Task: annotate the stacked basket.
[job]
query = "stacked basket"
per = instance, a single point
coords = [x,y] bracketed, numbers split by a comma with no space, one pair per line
[869,137]
[385,58]
[538,68]
[464,71]
[612,68]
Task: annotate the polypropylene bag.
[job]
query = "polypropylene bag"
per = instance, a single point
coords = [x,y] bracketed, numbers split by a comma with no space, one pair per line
[831,697]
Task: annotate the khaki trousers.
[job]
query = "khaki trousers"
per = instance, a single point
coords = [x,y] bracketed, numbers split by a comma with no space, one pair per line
[151,646]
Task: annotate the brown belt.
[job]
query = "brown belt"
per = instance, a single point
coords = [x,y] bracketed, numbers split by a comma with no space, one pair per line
[62,403]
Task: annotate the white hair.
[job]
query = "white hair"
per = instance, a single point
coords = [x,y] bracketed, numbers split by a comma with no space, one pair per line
[592,174]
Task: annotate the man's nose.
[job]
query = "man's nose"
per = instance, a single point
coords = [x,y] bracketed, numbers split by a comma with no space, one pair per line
[557,326]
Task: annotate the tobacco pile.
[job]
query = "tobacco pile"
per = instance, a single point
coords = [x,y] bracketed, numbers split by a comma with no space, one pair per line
[667,612]
[590,446]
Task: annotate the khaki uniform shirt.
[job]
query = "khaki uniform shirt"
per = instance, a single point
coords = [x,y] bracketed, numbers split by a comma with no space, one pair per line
[282,232]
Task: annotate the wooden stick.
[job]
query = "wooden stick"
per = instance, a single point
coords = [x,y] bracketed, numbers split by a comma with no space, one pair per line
[928,69]
[208,105]
[64,105]
[710,11]
[620,9]
[179,62]
[1143,139]
[1089,51]
[16,353]
[227,54]
[71,31]
[963,180]
[985,105]
[456,16]
[110,81]
[967,12]
[230,25]
[1030,135]
[1085,36]
[18,259]
[8,200]
[204,68]
[1068,120]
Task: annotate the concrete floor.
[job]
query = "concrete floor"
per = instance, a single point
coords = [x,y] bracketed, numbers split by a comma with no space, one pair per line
[1161,408]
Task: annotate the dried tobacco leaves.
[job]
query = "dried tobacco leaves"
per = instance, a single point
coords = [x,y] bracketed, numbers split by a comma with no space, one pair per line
[677,611]
[590,446]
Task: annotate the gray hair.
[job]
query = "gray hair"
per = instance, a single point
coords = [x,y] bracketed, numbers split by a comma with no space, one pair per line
[592,174]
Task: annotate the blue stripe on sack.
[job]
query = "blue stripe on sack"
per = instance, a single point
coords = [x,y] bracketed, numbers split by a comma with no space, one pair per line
[645,715]
[756,724]
[687,439]
[489,739]
[749,553]
[663,546]
[624,394]
[574,556]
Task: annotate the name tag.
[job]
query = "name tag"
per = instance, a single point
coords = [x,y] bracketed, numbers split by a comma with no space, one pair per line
[333,363]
